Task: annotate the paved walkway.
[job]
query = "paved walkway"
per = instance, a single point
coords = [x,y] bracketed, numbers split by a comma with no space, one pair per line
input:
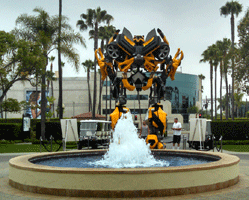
[239,191]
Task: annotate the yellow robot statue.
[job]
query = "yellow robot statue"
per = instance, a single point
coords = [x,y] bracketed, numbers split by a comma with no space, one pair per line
[157,125]
[116,114]
[145,64]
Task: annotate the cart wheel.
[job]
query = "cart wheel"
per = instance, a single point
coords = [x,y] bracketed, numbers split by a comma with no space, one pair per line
[79,146]
[94,145]
[195,146]
[210,146]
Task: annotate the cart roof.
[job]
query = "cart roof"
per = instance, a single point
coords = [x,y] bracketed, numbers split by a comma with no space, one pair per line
[96,121]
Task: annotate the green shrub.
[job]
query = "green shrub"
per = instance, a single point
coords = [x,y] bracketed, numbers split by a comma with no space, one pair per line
[11,131]
[11,120]
[35,141]
[51,128]
[231,130]
[166,134]
[193,109]
[18,141]
[27,140]
[6,141]
[71,143]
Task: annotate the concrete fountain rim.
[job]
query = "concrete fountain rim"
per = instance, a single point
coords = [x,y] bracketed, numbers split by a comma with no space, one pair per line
[23,162]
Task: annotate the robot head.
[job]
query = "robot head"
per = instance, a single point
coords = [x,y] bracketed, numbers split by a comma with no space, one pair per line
[138,39]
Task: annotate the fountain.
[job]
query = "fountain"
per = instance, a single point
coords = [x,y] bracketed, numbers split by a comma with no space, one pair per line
[127,169]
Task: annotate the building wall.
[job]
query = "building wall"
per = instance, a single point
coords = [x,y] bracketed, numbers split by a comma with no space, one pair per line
[189,92]
[75,96]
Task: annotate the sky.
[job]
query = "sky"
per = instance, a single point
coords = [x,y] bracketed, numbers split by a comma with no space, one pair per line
[191,25]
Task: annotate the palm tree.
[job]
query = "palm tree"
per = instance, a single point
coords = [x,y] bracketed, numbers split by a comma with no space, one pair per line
[223,47]
[92,19]
[232,8]
[88,66]
[227,67]
[238,101]
[222,104]
[215,63]
[43,30]
[51,79]
[201,77]
[50,74]
[59,63]
[105,33]
[208,56]
[110,30]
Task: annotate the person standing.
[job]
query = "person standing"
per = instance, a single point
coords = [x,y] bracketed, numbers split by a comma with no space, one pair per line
[177,127]
[145,131]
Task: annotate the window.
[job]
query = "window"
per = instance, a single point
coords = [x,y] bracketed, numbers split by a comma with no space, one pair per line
[129,97]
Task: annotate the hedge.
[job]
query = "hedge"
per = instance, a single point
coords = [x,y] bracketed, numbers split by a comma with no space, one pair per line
[10,120]
[231,130]
[235,142]
[51,128]
[11,131]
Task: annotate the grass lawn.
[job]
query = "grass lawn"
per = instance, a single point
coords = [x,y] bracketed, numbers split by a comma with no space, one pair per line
[236,148]
[18,148]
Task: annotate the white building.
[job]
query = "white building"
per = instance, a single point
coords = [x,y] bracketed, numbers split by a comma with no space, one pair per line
[183,92]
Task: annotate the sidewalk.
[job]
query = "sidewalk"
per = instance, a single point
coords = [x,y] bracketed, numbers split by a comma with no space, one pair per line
[238,191]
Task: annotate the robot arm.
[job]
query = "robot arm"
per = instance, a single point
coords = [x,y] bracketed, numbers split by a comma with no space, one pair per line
[171,69]
[157,119]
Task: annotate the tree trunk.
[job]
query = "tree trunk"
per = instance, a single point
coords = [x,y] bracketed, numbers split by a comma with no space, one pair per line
[36,88]
[95,72]
[52,90]
[110,100]
[232,35]
[43,100]
[211,89]
[100,93]
[226,81]
[215,93]
[237,111]
[89,91]
[221,105]
[106,99]
[59,64]
[1,109]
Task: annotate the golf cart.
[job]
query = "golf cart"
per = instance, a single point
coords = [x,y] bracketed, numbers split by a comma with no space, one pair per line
[94,134]
[200,136]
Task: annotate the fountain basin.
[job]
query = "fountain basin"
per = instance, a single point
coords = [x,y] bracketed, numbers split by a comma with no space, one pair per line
[124,182]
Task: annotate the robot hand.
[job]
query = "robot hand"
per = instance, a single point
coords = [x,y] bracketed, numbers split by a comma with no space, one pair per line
[175,63]
[101,62]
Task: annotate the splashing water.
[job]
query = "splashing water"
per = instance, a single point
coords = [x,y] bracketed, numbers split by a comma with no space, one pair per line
[127,150]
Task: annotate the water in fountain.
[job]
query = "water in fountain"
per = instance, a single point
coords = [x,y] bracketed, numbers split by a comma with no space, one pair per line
[127,150]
